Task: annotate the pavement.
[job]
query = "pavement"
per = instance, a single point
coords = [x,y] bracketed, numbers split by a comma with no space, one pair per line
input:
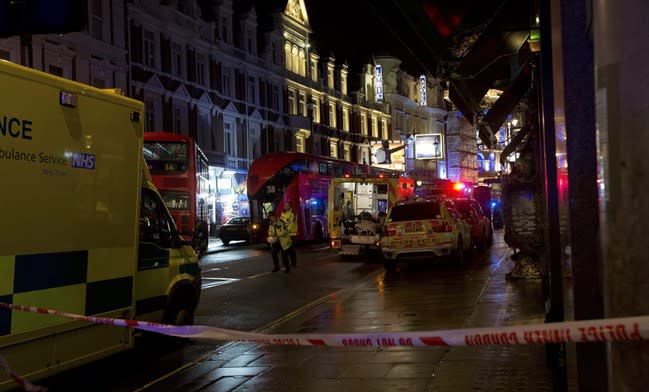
[484,298]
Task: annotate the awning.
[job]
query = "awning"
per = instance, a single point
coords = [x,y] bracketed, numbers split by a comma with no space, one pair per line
[505,104]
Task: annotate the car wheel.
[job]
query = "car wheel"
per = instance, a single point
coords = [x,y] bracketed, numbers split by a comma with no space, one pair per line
[226,242]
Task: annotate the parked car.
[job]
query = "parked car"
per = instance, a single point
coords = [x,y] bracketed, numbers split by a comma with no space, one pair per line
[472,213]
[429,228]
[239,229]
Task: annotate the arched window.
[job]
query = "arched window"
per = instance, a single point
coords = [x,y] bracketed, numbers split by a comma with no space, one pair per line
[295,61]
[287,54]
[302,63]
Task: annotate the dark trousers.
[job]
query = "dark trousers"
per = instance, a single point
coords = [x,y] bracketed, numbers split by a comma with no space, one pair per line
[289,254]
[274,253]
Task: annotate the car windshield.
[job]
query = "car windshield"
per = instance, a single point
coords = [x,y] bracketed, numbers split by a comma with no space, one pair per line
[237,221]
[415,211]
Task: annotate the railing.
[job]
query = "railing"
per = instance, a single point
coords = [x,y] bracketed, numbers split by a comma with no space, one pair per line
[221,159]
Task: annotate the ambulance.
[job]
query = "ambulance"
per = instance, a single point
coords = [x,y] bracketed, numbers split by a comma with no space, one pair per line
[357,207]
[83,228]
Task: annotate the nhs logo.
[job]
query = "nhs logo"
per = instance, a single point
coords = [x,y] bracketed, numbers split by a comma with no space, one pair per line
[83,161]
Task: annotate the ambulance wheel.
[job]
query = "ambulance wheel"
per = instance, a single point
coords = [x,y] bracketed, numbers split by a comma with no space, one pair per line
[180,310]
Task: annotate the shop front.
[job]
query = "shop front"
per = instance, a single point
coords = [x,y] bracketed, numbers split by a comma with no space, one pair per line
[229,196]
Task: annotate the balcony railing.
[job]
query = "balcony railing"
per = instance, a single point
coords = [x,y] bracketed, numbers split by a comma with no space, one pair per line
[221,159]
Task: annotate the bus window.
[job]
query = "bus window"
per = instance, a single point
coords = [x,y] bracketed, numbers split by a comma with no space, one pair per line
[165,157]
[176,200]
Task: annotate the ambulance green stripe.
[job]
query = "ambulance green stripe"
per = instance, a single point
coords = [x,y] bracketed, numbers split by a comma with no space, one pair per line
[48,270]
[107,295]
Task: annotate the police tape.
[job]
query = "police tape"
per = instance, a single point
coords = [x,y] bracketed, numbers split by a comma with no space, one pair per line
[603,330]
[24,384]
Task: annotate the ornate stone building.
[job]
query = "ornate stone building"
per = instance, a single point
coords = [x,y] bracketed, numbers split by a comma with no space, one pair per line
[96,56]
[243,82]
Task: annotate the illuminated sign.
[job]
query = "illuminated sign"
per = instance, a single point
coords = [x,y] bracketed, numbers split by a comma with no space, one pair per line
[429,146]
[389,154]
[422,91]
[378,72]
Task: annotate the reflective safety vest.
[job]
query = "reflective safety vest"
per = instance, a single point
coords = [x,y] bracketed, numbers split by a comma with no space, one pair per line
[290,220]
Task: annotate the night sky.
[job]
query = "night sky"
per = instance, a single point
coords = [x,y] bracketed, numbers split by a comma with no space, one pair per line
[354,30]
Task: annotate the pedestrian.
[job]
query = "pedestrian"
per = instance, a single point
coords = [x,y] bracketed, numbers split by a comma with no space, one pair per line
[275,228]
[290,222]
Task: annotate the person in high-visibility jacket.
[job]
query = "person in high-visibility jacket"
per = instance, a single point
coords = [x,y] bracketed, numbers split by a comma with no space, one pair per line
[279,240]
[290,220]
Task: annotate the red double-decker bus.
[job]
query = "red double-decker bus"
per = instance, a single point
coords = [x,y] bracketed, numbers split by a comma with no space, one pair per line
[302,179]
[180,172]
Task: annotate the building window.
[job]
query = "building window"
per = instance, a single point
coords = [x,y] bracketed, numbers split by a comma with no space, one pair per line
[275,103]
[177,120]
[347,153]
[375,127]
[301,104]
[200,68]
[287,54]
[302,63]
[149,49]
[228,141]
[97,20]
[224,30]
[332,115]
[54,70]
[330,78]
[343,84]
[149,122]
[384,129]
[295,62]
[299,143]
[345,119]
[316,110]
[98,82]
[274,53]
[252,90]
[204,129]
[333,148]
[250,35]
[227,81]
[364,124]
[253,146]
[314,70]
[177,60]
[292,105]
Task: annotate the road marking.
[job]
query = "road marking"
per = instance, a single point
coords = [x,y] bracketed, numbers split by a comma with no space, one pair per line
[258,275]
[217,282]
